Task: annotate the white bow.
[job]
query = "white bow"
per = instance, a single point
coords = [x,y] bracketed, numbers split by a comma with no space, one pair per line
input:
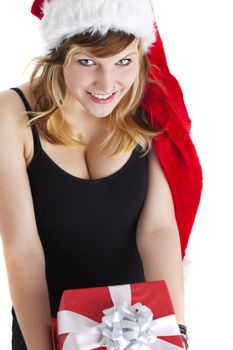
[123,327]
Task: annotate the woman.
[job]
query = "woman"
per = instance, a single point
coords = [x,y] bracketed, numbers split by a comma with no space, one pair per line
[84,200]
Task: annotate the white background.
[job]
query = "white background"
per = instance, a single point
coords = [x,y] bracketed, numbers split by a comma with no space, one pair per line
[197,36]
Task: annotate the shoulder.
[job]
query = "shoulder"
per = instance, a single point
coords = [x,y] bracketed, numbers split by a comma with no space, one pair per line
[155,170]
[11,101]
[12,105]
[158,209]
[13,117]
[18,228]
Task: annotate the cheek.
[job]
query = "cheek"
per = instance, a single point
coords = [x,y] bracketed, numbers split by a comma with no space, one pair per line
[129,77]
[75,78]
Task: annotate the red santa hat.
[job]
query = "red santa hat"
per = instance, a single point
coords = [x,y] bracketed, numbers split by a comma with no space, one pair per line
[62,19]
[174,148]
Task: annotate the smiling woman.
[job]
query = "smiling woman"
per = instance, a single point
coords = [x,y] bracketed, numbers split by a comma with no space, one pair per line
[72,84]
[99,141]
[123,62]
[86,83]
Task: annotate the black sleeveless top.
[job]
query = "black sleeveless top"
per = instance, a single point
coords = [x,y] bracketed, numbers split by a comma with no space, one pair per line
[87,227]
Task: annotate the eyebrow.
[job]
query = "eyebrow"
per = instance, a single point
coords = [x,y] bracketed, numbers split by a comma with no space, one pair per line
[87,54]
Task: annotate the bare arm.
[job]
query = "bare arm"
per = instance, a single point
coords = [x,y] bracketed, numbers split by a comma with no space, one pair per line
[158,239]
[22,248]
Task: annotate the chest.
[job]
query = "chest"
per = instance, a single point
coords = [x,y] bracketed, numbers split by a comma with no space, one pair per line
[86,162]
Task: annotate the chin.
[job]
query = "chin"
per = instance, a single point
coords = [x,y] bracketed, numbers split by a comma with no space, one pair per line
[100,115]
[100,112]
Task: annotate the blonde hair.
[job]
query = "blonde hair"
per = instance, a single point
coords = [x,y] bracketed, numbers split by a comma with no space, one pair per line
[127,124]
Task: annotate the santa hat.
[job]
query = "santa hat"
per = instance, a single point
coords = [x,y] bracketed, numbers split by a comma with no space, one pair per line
[63,19]
[166,108]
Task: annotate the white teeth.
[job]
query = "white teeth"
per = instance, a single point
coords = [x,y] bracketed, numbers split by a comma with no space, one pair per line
[102,97]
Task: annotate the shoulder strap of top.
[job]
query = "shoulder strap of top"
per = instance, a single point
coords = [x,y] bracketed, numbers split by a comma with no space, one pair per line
[36,139]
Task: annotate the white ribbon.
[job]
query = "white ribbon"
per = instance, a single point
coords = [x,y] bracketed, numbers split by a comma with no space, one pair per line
[123,327]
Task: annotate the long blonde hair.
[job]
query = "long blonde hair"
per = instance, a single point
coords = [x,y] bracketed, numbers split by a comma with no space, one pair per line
[127,124]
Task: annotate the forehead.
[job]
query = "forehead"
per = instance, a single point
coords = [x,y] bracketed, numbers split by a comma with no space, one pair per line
[131,49]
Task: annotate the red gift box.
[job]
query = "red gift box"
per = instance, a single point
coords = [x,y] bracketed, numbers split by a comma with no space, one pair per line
[137,315]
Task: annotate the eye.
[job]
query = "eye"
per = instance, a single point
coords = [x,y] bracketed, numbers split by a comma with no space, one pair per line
[85,62]
[126,61]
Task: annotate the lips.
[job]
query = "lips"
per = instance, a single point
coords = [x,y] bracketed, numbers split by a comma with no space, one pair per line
[101,101]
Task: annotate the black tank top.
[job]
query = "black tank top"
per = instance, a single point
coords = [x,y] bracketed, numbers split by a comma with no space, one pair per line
[87,227]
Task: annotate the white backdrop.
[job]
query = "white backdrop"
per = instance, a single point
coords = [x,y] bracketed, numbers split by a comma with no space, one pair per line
[198,44]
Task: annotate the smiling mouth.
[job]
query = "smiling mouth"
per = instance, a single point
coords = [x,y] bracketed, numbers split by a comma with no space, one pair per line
[102,98]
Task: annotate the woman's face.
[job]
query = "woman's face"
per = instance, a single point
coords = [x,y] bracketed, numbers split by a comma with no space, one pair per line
[108,78]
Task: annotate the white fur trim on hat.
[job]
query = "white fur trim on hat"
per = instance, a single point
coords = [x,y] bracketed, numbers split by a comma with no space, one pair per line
[65,18]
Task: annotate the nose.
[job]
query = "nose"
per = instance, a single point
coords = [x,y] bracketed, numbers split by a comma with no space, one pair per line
[105,82]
